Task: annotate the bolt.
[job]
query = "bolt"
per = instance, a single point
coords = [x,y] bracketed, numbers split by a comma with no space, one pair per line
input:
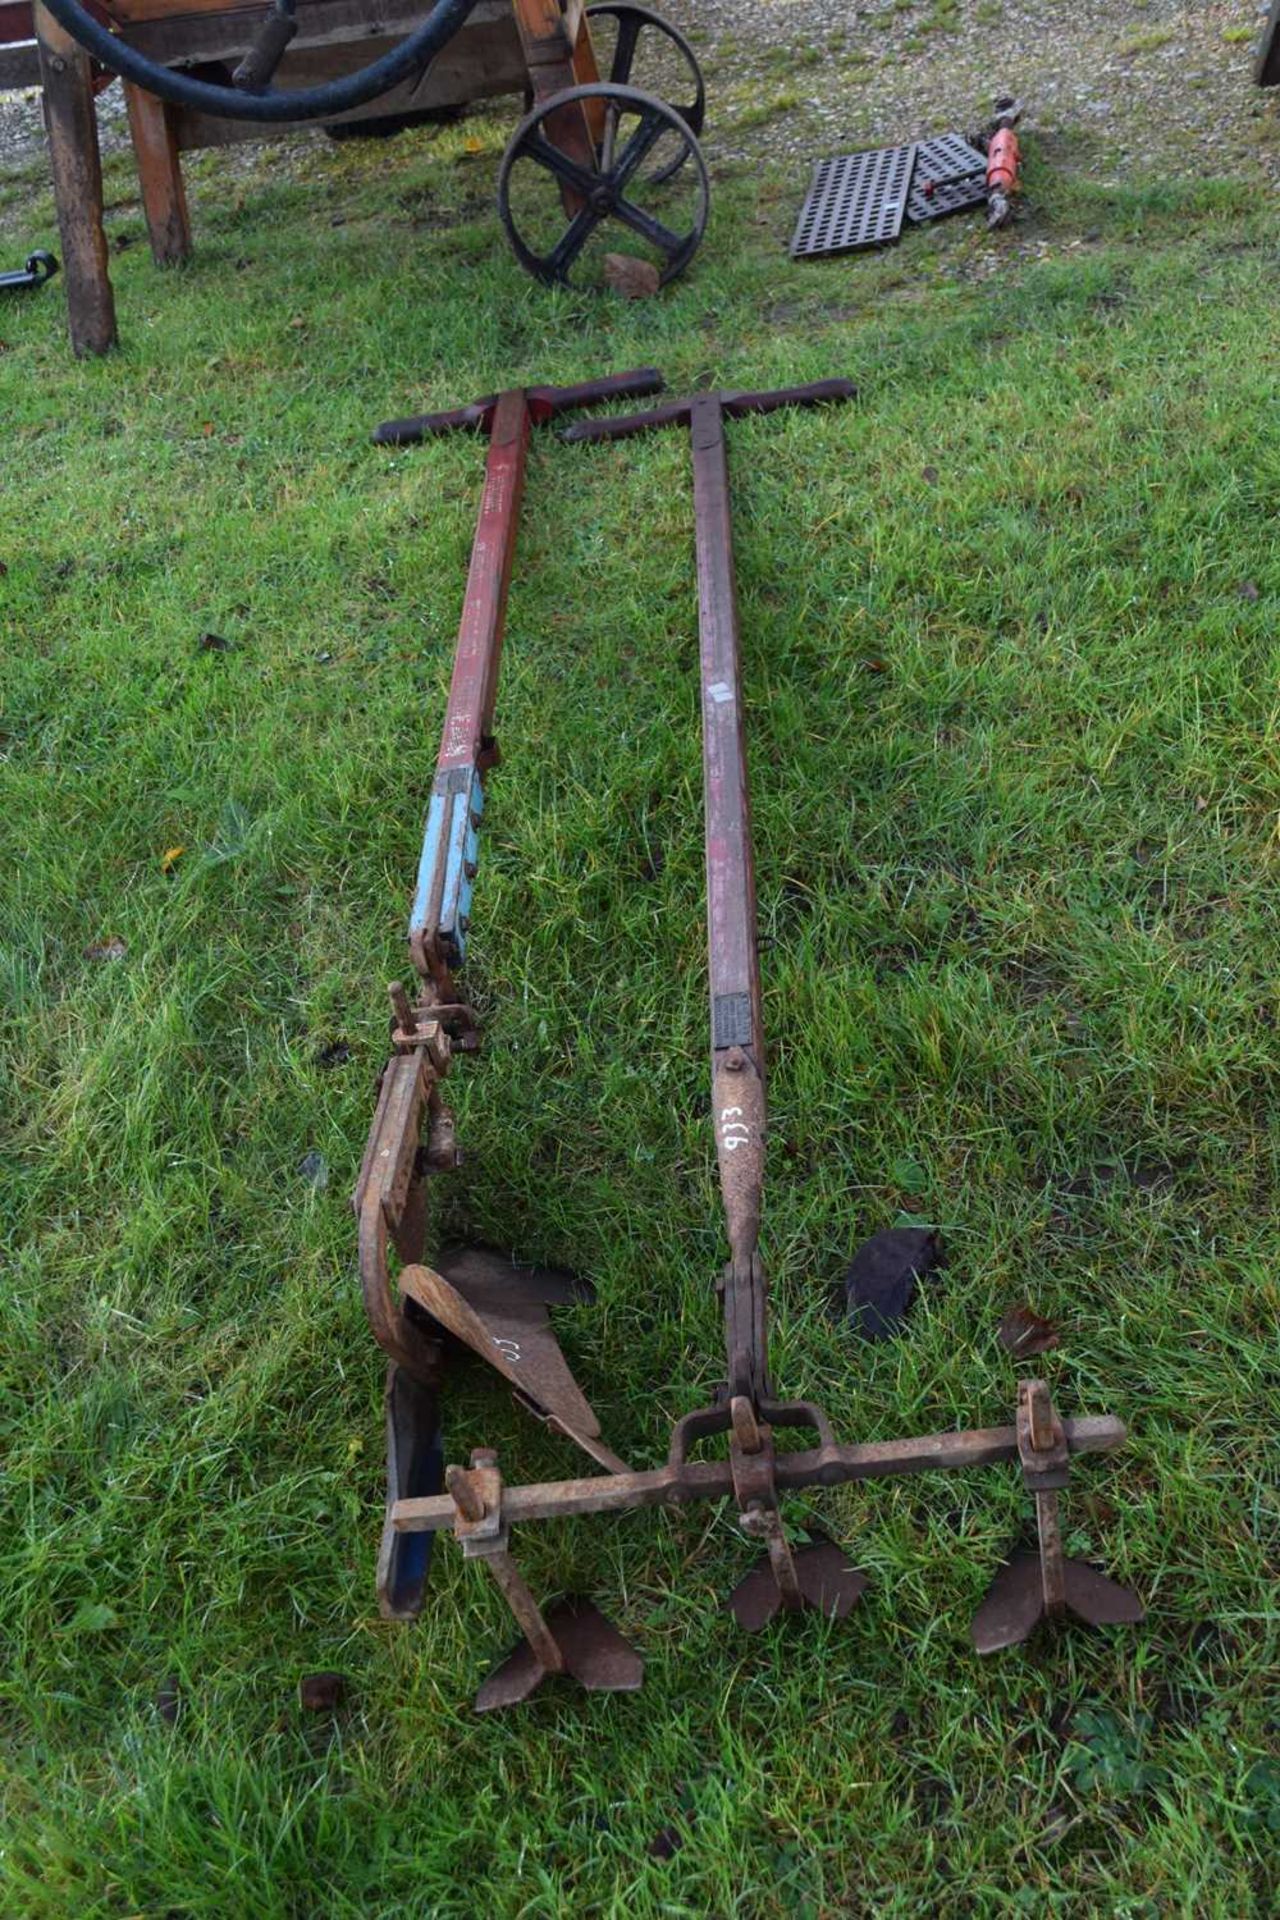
[735,1060]
[58,64]
[465,1497]
[400,1008]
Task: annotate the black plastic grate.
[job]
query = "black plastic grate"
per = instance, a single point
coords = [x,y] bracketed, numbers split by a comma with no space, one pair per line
[855,200]
[955,174]
[945,156]
[947,196]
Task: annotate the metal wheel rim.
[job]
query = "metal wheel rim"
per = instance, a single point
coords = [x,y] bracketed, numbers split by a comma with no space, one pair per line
[528,142]
[644,18]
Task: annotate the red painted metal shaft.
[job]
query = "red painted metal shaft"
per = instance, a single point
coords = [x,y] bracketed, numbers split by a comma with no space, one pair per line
[441,912]
[478,656]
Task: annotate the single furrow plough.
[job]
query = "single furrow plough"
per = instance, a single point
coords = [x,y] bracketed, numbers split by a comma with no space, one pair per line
[500,1310]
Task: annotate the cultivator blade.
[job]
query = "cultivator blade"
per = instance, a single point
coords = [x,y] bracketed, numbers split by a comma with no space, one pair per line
[499,1310]
[1016,1602]
[415,1467]
[1014,1605]
[1100,1601]
[591,1651]
[825,1580]
[1045,1585]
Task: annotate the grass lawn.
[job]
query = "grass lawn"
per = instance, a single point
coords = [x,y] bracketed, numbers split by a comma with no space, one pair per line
[1010,626]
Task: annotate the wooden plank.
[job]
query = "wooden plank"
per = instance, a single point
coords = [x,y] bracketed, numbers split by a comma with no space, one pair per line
[72,125]
[226,34]
[15,22]
[452,81]
[164,198]
[542,29]
[393,13]
[19,67]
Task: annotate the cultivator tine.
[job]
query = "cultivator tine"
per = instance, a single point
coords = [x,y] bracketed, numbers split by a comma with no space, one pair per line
[829,1581]
[415,1468]
[824,1579]
[1045,1585]
[588,1649]
[572,1637]
[1014,1605]
[1098,1600]
[499,1310]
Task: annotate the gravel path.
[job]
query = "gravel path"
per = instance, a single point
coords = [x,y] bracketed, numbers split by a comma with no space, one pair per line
[1148,86]
[1159,86]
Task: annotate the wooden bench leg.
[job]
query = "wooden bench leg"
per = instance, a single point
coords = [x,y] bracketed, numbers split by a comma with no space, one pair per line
[164,198]
[72,126]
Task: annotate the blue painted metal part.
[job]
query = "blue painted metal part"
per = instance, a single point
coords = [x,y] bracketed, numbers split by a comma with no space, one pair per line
[441,911]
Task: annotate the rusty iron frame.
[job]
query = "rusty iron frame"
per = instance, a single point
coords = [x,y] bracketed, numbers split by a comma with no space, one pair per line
[480,1509]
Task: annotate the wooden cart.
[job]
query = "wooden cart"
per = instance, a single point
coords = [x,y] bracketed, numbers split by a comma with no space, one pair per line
[573,144]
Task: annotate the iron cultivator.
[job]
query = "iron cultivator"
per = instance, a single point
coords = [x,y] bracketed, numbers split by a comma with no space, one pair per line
[500,1310]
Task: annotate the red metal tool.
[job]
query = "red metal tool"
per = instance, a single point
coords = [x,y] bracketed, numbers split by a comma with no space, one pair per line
[746,1408]
[480,1299]
[1004,161]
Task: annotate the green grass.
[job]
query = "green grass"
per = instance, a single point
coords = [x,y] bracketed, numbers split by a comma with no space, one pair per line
[1011,663]
[1149,41]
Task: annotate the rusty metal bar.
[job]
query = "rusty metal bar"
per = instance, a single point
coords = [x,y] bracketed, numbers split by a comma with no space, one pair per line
[734,405]
[830,1466]
[737,1037]
[543,402]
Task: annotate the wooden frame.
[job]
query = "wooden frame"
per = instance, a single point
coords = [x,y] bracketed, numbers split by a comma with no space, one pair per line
[505,46]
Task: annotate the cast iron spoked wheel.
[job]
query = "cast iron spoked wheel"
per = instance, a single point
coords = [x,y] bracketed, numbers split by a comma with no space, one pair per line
[637,48]
[635,202]
[640,49]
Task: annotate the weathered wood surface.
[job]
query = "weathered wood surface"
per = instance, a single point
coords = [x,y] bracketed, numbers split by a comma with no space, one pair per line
[19,67]
[475,66]
[72,126]
[200,32]
[152,127]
